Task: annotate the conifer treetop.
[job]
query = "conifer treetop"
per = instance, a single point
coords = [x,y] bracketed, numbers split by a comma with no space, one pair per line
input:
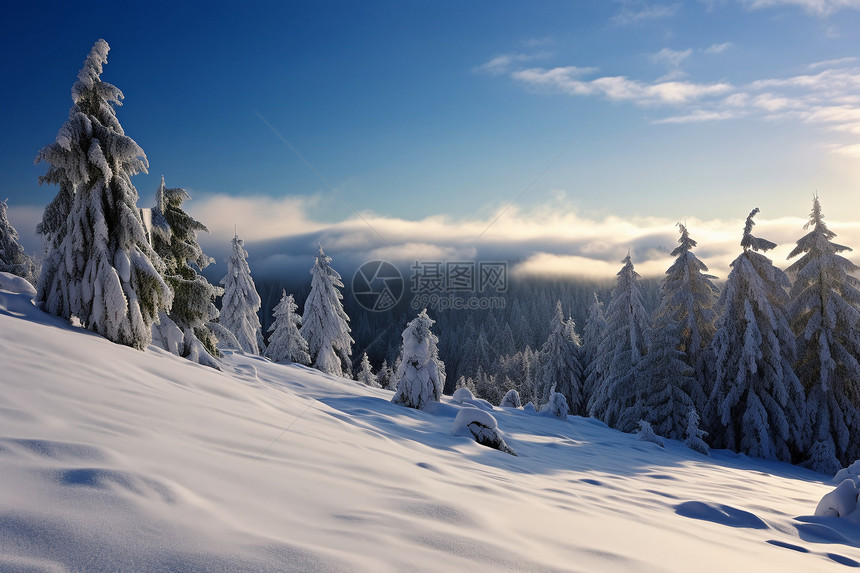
[751,242]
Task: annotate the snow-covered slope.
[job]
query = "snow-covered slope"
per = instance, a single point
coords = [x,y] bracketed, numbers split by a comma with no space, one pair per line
[113,459]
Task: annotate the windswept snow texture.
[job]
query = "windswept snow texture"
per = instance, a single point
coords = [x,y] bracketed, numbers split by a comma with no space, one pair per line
[112,459]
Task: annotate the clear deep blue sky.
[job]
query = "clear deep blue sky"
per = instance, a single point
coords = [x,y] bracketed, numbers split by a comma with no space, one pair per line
[413,109]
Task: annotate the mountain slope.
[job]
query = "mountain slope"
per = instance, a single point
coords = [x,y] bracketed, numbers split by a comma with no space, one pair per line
[115,459]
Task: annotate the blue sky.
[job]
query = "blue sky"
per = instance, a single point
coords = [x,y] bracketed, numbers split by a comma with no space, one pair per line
[422,113]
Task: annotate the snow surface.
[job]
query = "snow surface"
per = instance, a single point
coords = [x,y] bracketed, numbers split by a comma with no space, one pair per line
[112,459]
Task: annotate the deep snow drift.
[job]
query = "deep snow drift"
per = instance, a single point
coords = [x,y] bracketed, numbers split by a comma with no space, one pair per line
[116,459]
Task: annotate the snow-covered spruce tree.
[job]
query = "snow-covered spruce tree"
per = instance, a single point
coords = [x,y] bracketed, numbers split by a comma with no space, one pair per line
[286,343]
[624,344]
[13,258]
[241,302]
[592,334]
[688,299]
[646,434]
[99,266]
[695,435]
[662,379]
[325,323]
[174,238]
[421,374]
[561,370]
[757,398]
[365,374]
[825,318]
[511,399]
[556,406]
[383,377]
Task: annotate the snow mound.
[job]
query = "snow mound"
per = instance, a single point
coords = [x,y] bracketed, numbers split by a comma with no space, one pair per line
[462,394]
[511,400]
[482,426]
[16,285]
[841,502]
[852,472]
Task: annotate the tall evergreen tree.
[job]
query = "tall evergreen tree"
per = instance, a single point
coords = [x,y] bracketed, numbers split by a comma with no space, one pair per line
[420,374]
[99,266]
[688,300]
[624,344]
[560,367]
[592,335]
[663,379]
[174,238]
[325,324]
[286,343]
[825,319]
[757,398]
[241,302]
[365,374]
[13,258]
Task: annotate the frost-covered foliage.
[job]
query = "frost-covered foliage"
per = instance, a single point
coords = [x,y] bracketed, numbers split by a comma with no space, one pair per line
[592,361]
[825,318]
[560,366]
[13,258]
[365,374]
[384,376]
[624,344]
[757,399]
[240,303]
[842,502]
[688,299]
[99,266]
[420,375]
[174,238]
[556,406]
[325,323]
[511,399]
[482,427]
[663,382]
[286,343]
[646,434]
[695,439]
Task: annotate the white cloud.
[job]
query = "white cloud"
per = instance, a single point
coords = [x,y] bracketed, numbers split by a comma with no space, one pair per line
[671,58]
[637,12]
[816,7]
[618,88]
[503,63]
[718,48]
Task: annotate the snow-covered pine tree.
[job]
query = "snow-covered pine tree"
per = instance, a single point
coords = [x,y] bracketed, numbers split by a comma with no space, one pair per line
[99,266]
[624,344]
[365,374]
[663,377]
[13,258]
[174,238]
[757,399]
[420,375]
[325,323]
[646,434]
[561,370]
[286,343]
[556,405]
[592,361]
[241,302]
[688,299]
[511,400]
[695,435]
[825,319]
[383,377]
